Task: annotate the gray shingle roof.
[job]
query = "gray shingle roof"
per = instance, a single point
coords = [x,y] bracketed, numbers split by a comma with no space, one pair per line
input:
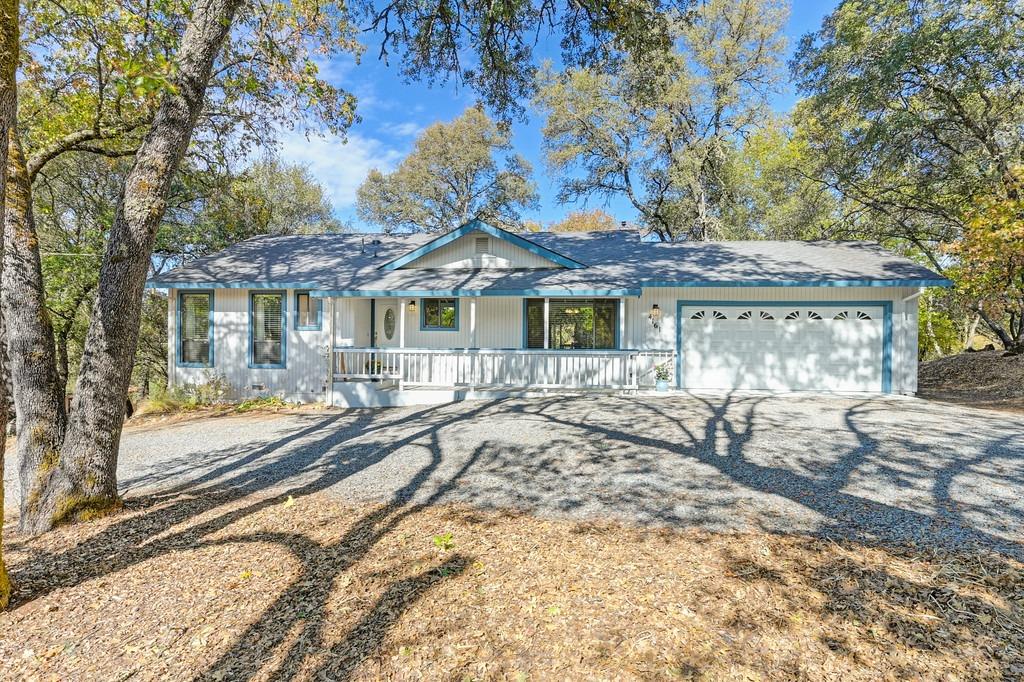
[615,260]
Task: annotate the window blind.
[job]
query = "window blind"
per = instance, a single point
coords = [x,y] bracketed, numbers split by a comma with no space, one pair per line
[267,329]
[535,323]
[195,329]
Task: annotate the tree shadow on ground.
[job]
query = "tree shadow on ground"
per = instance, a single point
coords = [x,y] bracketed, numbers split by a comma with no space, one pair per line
[199,512]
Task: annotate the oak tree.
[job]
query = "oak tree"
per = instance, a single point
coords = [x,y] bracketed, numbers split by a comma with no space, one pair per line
[457,172]
[660,132]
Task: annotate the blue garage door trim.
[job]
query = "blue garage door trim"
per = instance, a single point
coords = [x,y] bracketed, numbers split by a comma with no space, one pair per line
[886,327]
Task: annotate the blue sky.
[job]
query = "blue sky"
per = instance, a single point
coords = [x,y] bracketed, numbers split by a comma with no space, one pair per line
[393,112]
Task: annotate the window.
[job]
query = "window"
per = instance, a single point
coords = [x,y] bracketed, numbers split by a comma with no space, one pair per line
[745,315]
[195,329]
[795,315]
[718,315]
[699,315]
[308,311]
[573,323]
[765,315]
[266,330]
[861,315]
[439,314]
[811,315]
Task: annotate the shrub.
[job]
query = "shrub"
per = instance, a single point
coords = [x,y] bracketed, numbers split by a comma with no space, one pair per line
[262,402]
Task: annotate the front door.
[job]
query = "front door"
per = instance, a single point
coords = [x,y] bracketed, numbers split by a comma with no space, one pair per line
[386,332]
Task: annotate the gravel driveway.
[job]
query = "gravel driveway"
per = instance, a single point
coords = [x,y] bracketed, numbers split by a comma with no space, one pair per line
[882,468]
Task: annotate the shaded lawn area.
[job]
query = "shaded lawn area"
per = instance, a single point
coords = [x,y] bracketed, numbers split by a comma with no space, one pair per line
[263,588]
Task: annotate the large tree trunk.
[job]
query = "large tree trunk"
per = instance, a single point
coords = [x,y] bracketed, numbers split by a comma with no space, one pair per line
[8,107]
[98,408]
[38,400]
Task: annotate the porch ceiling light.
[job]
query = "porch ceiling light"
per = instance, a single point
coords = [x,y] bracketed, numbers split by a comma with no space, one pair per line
[655,316]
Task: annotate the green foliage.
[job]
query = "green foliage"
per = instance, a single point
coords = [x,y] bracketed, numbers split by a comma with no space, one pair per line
[213,389]
[663,372]
[595,220]
[660,132]
[457,172]
[990,269]
[216,208]
[914,109]
[773,197]
[489,46]
[938,335]
[270,402]
[444,542]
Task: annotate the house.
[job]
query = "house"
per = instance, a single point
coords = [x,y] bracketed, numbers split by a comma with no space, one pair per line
[359,320]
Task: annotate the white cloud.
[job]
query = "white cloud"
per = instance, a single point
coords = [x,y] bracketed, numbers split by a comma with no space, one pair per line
[407,129]
[340,166]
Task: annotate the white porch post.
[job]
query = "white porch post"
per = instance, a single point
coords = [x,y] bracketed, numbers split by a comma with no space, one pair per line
[472,323]
[330,351]
[474,360]
[401,342]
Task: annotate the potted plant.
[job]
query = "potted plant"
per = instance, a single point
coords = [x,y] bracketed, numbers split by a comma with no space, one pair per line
[662,374]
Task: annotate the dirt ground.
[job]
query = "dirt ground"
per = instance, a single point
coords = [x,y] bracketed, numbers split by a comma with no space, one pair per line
[986,379]
[264,586]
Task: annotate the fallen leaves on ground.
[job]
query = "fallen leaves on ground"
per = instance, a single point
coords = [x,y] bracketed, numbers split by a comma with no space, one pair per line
[260,587]
[986,379]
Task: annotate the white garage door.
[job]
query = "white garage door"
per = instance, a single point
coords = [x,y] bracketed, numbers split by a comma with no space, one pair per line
[783,347]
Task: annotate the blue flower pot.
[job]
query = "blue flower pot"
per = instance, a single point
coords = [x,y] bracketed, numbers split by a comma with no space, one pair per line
[661,384]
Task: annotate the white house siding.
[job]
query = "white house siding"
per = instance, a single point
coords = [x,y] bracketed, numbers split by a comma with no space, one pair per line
[642,335]
[301,380]
[498,323]
[461,253]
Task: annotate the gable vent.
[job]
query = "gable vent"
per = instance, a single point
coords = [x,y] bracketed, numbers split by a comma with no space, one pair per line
[482,245]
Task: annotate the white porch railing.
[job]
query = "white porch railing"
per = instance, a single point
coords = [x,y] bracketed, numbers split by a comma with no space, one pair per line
[615,369]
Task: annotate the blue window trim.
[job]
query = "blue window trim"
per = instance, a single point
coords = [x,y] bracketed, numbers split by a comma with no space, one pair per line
[177,350]
[885,305]
[497,233]
[618,325]
[423,315]
[319,313]
[284,329]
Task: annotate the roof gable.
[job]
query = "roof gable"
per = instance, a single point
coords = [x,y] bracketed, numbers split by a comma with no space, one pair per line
[548,256]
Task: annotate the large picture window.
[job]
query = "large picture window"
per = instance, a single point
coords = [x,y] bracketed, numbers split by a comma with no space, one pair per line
[573,323]
[195,329]
[266,329]
[440,314]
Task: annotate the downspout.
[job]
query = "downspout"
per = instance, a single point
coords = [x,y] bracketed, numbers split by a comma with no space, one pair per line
[903,336]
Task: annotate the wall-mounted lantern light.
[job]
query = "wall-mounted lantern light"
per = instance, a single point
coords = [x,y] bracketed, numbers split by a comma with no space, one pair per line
[412,306]
[655,316]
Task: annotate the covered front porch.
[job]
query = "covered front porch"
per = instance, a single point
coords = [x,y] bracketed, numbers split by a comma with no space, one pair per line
[485,343]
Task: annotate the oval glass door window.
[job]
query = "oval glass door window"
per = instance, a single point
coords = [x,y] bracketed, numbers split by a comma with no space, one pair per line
[389,323]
